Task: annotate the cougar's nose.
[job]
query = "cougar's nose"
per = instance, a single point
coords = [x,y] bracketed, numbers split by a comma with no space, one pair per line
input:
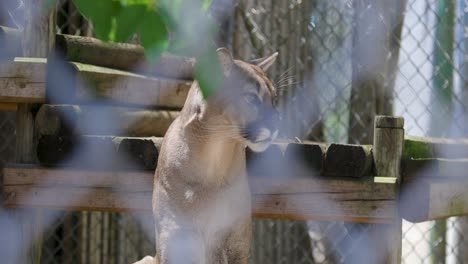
[251,131]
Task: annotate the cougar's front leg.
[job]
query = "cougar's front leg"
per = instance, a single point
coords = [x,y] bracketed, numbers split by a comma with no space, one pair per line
[238,243]
[182,246]
[147,260]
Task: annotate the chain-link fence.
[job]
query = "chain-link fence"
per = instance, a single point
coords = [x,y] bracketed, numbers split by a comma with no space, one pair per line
[341,63]
[347,61]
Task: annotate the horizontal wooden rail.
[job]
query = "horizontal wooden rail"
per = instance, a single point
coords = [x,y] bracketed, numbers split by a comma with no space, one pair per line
[123,56]
[434,198]
[24,80]
[435,168]
[64,120]
[435,178]
[99,152]
[128,57]
[10,43]
[334,160]
[304,159]
[292,197]
[426,147]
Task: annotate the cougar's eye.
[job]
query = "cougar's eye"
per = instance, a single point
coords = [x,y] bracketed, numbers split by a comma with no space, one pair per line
[252,98]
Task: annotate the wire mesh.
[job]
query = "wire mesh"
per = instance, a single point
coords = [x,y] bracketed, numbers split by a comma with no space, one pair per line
[318,63]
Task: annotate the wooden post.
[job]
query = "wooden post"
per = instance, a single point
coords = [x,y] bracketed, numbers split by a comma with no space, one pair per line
[387,152]
[38,41]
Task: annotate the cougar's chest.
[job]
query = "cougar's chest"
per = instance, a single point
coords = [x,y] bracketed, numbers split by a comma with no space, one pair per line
[222,210]
[220,162]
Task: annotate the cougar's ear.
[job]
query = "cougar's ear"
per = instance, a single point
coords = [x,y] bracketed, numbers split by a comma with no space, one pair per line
[226,60]
[265,62]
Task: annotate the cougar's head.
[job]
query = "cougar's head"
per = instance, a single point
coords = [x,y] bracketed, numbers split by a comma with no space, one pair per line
[247,99]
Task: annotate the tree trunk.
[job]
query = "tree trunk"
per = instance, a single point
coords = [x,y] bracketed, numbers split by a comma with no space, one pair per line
[376,43]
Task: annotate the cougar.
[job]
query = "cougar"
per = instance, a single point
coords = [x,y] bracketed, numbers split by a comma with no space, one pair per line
[201,198]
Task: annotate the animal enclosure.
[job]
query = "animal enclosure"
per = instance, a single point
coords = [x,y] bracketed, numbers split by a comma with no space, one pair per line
[345,191]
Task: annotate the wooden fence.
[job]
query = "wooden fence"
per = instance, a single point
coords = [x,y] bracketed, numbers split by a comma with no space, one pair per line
[397,177]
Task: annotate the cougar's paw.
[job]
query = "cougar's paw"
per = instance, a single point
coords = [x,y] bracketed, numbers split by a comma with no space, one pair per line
[146,260]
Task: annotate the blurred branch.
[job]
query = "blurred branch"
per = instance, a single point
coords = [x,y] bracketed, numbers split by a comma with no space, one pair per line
[222,11]
[256,37]
[376,45]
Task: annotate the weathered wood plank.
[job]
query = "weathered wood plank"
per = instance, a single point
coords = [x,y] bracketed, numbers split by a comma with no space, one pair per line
[99,152]
[10,41]
[428,168]
[69,198]
[78,178]
[24,80]
[322,208]
[8,106]
[63,120]
[429,199]
[128,57]
[335,160]
[426,148]
[296,197]
[348,160]
[308,155]
[124,87]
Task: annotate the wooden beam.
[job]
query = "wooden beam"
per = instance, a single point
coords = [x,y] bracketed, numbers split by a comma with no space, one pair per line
[427,147]
[64,120]
[130,181]
[123,56]
[24,80]
[99,152]
[281,158]
[10,41]
[76,199]
[414,170]
[120,87]
[8,107]
[306,159]
[429,199]
[307,154]
[331,199]
[290,197]
[348,160]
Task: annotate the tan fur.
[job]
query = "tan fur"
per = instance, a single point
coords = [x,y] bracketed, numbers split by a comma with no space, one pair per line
[201,198]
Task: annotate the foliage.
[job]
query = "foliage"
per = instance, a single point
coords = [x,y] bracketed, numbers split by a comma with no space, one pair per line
[178,26]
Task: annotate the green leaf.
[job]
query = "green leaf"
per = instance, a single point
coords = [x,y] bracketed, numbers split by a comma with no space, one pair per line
[206,4]
[170,12]
[153,34]
[101,13]
[208,72]
[137,2]
[128,21]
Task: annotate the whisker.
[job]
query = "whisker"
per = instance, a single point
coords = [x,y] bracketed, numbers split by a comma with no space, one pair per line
[284,79]
[288,70]
[288,84]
